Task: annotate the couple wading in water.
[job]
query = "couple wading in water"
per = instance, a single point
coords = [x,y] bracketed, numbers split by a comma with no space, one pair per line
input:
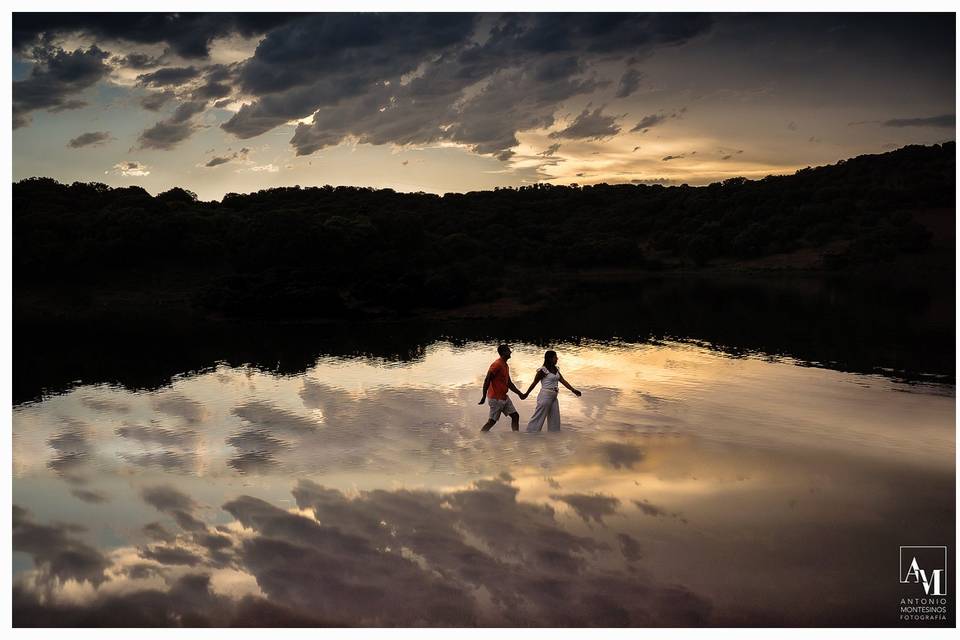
[498,382]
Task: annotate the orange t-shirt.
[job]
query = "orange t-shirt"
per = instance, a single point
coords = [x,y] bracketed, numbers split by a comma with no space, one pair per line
[498,383]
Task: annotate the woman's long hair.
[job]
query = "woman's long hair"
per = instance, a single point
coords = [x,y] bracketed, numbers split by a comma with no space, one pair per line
[546,360]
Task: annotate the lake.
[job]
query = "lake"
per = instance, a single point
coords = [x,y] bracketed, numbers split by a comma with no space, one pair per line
[687,487]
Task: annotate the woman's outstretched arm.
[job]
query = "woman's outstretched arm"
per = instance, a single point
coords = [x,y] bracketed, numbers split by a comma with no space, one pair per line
[567,384]
[536,379]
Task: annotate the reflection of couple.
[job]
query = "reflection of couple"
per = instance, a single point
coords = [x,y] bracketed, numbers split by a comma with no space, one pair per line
[498,382]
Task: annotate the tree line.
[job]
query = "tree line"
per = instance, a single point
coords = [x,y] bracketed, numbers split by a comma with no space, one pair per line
[310,251]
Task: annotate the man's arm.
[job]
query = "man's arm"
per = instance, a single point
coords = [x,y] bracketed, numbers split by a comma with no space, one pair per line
[486,385]
[511,386]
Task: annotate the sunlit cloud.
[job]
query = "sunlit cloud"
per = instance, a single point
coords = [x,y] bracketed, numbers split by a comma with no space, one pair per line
[131,168]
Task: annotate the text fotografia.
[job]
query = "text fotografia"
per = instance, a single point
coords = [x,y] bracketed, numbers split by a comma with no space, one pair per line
[923,609]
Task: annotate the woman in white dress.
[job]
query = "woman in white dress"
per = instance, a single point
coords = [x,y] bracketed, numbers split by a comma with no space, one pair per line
[548,408]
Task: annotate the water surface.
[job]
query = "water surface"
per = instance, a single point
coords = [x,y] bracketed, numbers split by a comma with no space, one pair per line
[686,488]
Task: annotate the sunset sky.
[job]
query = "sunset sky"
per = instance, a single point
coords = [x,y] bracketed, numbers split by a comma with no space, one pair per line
[221,103]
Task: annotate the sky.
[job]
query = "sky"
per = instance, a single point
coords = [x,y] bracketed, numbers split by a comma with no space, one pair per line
[234,102]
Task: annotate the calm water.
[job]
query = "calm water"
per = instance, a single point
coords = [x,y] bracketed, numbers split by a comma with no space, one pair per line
[686,488]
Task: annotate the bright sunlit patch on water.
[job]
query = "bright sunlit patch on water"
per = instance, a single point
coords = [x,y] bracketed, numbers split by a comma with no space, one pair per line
[320,497]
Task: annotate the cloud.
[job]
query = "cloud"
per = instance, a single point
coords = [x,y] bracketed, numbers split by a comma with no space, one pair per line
[590,125]
[407,557]
[676,157]
[653,510]
[89,496]
[55,76]
[185,34]
[154,100]
[55,550]
[166,498]
[218,160]
[136,61]
[550,151]
[256,450]
[73,450]
[619,455]
[792,126]
[168,76]
[182,462]
[158,435]
[176,405]
[590,507]
[176,504]
[629,83]
[456,78]
[131,168]
[946,120]
[401,79]
[157,531]
[165,554]
[629,547]
[167,134]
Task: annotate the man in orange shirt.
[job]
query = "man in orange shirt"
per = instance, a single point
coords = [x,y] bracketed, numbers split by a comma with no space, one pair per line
[495,387]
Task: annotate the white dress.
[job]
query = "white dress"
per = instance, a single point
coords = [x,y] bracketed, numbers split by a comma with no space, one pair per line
[548,408]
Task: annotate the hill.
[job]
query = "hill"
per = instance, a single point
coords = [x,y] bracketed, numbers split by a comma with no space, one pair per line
[345,252]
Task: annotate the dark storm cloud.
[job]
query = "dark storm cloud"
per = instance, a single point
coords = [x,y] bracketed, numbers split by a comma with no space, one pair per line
[55,551]
[590,125]
[590,507]
[405,79]
[383,78]
[186,34]
[947,120]
[169,76]
[54,78]
[629,83]
[154,100]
